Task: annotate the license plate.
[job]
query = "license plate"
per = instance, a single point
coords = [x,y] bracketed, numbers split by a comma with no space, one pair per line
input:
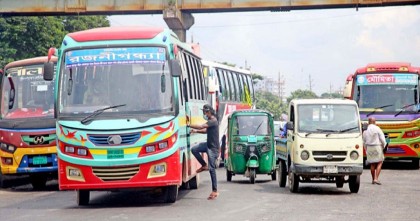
[39,160]
[115,154]
[330,169]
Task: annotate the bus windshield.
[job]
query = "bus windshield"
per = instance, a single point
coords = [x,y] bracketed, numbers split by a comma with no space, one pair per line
[136,79]
[25,94]
[399,95]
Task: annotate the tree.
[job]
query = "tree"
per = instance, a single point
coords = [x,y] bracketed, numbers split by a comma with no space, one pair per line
[331,95]
[301,94]
[269,102]
[256,77]
[26,37]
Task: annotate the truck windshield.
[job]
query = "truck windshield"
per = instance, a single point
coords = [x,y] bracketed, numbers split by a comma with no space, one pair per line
[328,118]
[387,93]
[25,94]
[137,77]
[252,125]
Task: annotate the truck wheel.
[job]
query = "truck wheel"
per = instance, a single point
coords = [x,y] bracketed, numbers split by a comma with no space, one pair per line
[83,197]
[354,183]
[228,175]
[339,181]
[171,194]
[293,182]
[252,175]
[282,174]
[274,175]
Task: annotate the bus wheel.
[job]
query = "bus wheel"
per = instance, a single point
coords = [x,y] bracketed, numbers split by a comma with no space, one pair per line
[83,197]
[282,174]
[339,182]
[194,182]
[38,181]
[171,194]
[415,164]
[354,183]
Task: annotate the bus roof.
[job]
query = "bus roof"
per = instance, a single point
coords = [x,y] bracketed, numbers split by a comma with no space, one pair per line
[116,33]
[387,67]
[226,67]
[323,101]
[29,61]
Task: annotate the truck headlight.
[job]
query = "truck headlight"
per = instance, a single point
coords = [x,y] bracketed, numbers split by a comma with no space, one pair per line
[354,155]
[304,155]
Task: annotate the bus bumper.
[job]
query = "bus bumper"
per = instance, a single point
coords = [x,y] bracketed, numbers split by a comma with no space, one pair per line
[157,173]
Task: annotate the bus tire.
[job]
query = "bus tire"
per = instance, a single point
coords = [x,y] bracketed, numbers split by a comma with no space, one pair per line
[83,197]
[171,194]
[415,164]
[193,183]
[38,181]
[2,180]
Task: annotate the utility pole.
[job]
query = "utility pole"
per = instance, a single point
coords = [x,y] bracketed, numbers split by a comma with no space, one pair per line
[310,83]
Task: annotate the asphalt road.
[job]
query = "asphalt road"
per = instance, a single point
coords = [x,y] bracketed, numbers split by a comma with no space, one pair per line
[396,199]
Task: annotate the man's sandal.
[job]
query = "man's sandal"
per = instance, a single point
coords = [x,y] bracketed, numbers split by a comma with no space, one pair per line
[213,195]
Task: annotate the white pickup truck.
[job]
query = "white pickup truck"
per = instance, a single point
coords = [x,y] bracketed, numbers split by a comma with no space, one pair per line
[323,144]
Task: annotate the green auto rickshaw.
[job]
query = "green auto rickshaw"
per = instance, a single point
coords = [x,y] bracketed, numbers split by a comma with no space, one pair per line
[251,145]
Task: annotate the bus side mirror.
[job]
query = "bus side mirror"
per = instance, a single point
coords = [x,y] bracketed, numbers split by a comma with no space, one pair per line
[48,71]
[175,68]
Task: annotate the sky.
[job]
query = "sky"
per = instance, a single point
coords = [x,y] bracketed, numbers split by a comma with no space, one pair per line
[314,49]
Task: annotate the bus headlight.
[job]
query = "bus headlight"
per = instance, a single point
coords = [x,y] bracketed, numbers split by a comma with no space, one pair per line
[8,148]
[354,155]
[304,155]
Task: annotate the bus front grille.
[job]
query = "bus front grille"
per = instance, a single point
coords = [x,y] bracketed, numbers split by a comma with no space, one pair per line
[115,173]
[329,156]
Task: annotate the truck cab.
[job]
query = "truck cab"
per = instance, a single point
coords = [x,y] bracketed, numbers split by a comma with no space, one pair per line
[323,144]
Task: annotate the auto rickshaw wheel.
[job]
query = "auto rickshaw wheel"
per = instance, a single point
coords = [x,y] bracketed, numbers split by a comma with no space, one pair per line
[282,174]
[293,182]
[228,175]
[83,197]
[252,175]
[274,175]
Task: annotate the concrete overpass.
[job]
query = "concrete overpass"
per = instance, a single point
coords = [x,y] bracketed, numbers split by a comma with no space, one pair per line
[177,13]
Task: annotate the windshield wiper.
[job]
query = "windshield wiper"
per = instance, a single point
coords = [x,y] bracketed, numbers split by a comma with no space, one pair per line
[90,117]
[329,131]
[348,129]
[403,109]
[258,127]
[376,108]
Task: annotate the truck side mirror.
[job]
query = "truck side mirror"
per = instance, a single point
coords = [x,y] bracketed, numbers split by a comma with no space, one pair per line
[290,126]
[48,71]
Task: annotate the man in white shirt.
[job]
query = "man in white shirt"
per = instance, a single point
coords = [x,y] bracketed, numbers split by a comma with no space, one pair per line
[374,142]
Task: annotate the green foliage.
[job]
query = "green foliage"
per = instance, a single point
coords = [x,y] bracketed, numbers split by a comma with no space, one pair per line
[302,94]
[269,102]
[256,77]
[27,37]
[331,95]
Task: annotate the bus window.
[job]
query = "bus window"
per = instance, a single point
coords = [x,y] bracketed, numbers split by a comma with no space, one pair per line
[222,86]
[232,86]
[237,86]
[228,87]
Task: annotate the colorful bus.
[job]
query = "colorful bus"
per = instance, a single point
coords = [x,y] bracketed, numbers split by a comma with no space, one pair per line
[230,89]
[27,124]
[122,97]
[390,93]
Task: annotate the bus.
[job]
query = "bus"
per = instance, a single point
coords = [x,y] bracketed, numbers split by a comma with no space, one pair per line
[27,124]
[230,89]
[122,98]
[390,93]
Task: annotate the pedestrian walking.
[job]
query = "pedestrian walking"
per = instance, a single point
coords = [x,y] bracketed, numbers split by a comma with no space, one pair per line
[374,142]
[211,147]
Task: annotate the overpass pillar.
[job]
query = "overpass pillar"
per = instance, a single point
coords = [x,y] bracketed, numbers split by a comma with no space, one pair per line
[178,21]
